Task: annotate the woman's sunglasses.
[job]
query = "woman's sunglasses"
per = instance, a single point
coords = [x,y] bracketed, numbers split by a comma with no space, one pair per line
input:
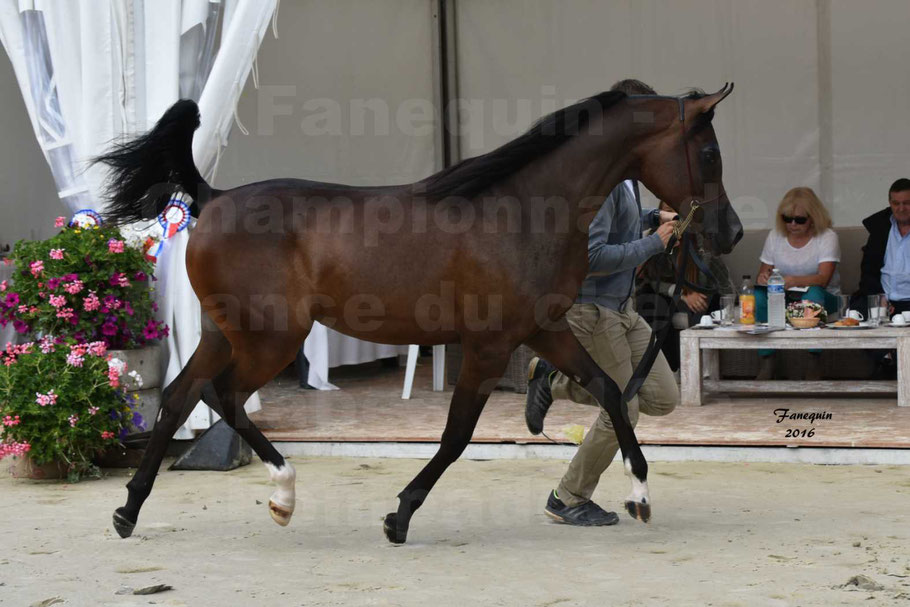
[797,220]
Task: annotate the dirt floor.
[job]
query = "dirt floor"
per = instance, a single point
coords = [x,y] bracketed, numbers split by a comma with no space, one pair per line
[722,534]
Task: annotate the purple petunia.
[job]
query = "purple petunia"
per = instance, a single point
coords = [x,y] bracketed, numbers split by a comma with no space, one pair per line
[109,329]
[21,326]
[12,300]
[53,283]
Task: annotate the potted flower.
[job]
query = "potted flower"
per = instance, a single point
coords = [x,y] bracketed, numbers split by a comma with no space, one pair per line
[85,283]
[88,284]
[61,403]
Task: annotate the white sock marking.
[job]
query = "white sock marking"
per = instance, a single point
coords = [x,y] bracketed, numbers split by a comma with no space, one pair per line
[639,491]
[284,477]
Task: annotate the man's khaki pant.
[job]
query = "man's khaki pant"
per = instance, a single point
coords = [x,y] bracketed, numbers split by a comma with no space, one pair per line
[616,341]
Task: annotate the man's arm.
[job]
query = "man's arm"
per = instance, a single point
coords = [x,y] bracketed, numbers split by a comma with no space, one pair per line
[605,258]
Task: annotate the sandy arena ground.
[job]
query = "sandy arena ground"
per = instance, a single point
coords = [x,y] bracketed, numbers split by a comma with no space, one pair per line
[722,534]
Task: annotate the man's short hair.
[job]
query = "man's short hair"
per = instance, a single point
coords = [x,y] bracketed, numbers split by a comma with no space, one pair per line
[901,185]
[631,86]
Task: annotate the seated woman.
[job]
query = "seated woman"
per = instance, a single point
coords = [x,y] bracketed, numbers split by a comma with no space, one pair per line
[654,290]
[805,250]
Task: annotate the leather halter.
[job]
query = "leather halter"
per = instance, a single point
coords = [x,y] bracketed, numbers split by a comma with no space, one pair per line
[694,203]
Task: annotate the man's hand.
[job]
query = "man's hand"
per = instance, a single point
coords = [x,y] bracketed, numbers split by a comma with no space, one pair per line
[762,278]
[666,216]
[697,302]
[665,231]
[790,281]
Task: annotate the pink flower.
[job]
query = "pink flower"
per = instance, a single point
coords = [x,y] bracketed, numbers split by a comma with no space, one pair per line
[59,222]
[65,313]
[73,287]
[113,378]
[10,421]
[36,267]
[56,253]
[119,279]
[33,309]
[47,344]
[92,410]
[46,399]
[106,435]
[73,420]
[150,331]
[91,303]
[97,348]
[115,246]
[58,301]
[22,309]
[3,286]
[74,359]
[14,449]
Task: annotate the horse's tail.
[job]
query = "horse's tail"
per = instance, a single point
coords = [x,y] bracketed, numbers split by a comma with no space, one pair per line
[146,171]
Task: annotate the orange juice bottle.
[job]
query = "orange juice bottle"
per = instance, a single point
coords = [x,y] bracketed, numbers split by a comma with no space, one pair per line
[747,302]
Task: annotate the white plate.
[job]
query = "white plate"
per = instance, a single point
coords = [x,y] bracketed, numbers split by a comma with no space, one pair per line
[854,328]
[903,326]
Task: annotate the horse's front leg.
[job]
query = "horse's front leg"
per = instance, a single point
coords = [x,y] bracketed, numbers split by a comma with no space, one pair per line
[561,348]
[480,371]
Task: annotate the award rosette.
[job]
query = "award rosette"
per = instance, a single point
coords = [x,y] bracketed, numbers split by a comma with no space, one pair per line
[85,218]
[174,218]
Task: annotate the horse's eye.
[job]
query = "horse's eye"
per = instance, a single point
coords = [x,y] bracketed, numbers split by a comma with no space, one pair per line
[709,156]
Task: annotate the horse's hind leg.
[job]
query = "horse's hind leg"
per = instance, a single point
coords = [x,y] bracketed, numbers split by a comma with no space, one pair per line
[562,349]
[212,354]
[481,369]
[250,368]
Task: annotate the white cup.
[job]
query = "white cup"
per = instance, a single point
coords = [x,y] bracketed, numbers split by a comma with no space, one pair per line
[899,320]
[717,315]
[906,316]
[855,314]
[706,321]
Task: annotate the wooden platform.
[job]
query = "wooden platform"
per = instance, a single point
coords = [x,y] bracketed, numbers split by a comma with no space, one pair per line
[368,408]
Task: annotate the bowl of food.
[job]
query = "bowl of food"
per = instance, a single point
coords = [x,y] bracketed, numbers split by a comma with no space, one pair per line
[805,314]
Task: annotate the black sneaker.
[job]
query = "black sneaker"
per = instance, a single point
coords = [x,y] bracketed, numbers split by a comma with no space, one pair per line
[588,514]
[539,397]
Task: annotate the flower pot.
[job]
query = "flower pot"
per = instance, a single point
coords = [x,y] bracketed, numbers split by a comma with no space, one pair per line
[24,467]
[146,361]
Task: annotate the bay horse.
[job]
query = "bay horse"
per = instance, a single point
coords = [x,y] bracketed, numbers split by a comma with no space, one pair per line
[414,264]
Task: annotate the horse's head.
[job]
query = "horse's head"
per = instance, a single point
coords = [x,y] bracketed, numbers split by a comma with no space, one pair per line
[681,164]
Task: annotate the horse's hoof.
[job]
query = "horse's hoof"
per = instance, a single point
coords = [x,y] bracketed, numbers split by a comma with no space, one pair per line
[390,527]
[639,511]
[122,524]
[280,514]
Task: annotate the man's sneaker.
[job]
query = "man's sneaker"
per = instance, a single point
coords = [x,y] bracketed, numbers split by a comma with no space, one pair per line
[539,397]
[588,514]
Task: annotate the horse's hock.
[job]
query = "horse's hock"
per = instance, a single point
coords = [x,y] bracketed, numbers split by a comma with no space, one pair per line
[515,377]
[147,363]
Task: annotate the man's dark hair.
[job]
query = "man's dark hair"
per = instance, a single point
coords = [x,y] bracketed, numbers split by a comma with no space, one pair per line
[631,86]
[901,185]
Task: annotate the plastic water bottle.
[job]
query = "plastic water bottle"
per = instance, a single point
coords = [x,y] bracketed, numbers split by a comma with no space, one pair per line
[776,303]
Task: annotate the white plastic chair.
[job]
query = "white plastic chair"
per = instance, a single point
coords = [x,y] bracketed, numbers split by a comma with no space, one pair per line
[439,365]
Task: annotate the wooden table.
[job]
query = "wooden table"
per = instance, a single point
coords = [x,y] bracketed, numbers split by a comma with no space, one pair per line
[693,342]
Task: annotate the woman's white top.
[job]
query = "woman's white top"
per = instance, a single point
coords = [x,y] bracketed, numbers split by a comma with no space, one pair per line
[803,261]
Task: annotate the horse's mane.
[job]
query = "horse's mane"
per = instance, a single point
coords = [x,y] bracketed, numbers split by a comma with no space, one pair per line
[470,177]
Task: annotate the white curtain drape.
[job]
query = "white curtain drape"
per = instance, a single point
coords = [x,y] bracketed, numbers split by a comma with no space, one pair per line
[93,71]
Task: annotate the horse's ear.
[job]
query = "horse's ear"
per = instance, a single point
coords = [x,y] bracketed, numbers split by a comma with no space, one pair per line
[709,102]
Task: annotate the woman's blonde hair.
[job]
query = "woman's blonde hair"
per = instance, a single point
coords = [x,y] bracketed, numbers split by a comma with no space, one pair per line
[805,199]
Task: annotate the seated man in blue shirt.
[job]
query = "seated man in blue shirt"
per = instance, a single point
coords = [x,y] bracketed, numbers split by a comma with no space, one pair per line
[886,257]
[606,324]
[886,260]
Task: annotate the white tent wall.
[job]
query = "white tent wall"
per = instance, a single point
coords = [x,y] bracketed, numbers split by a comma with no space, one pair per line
[335,91]
[547,55]
[29,203]
[870,100]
